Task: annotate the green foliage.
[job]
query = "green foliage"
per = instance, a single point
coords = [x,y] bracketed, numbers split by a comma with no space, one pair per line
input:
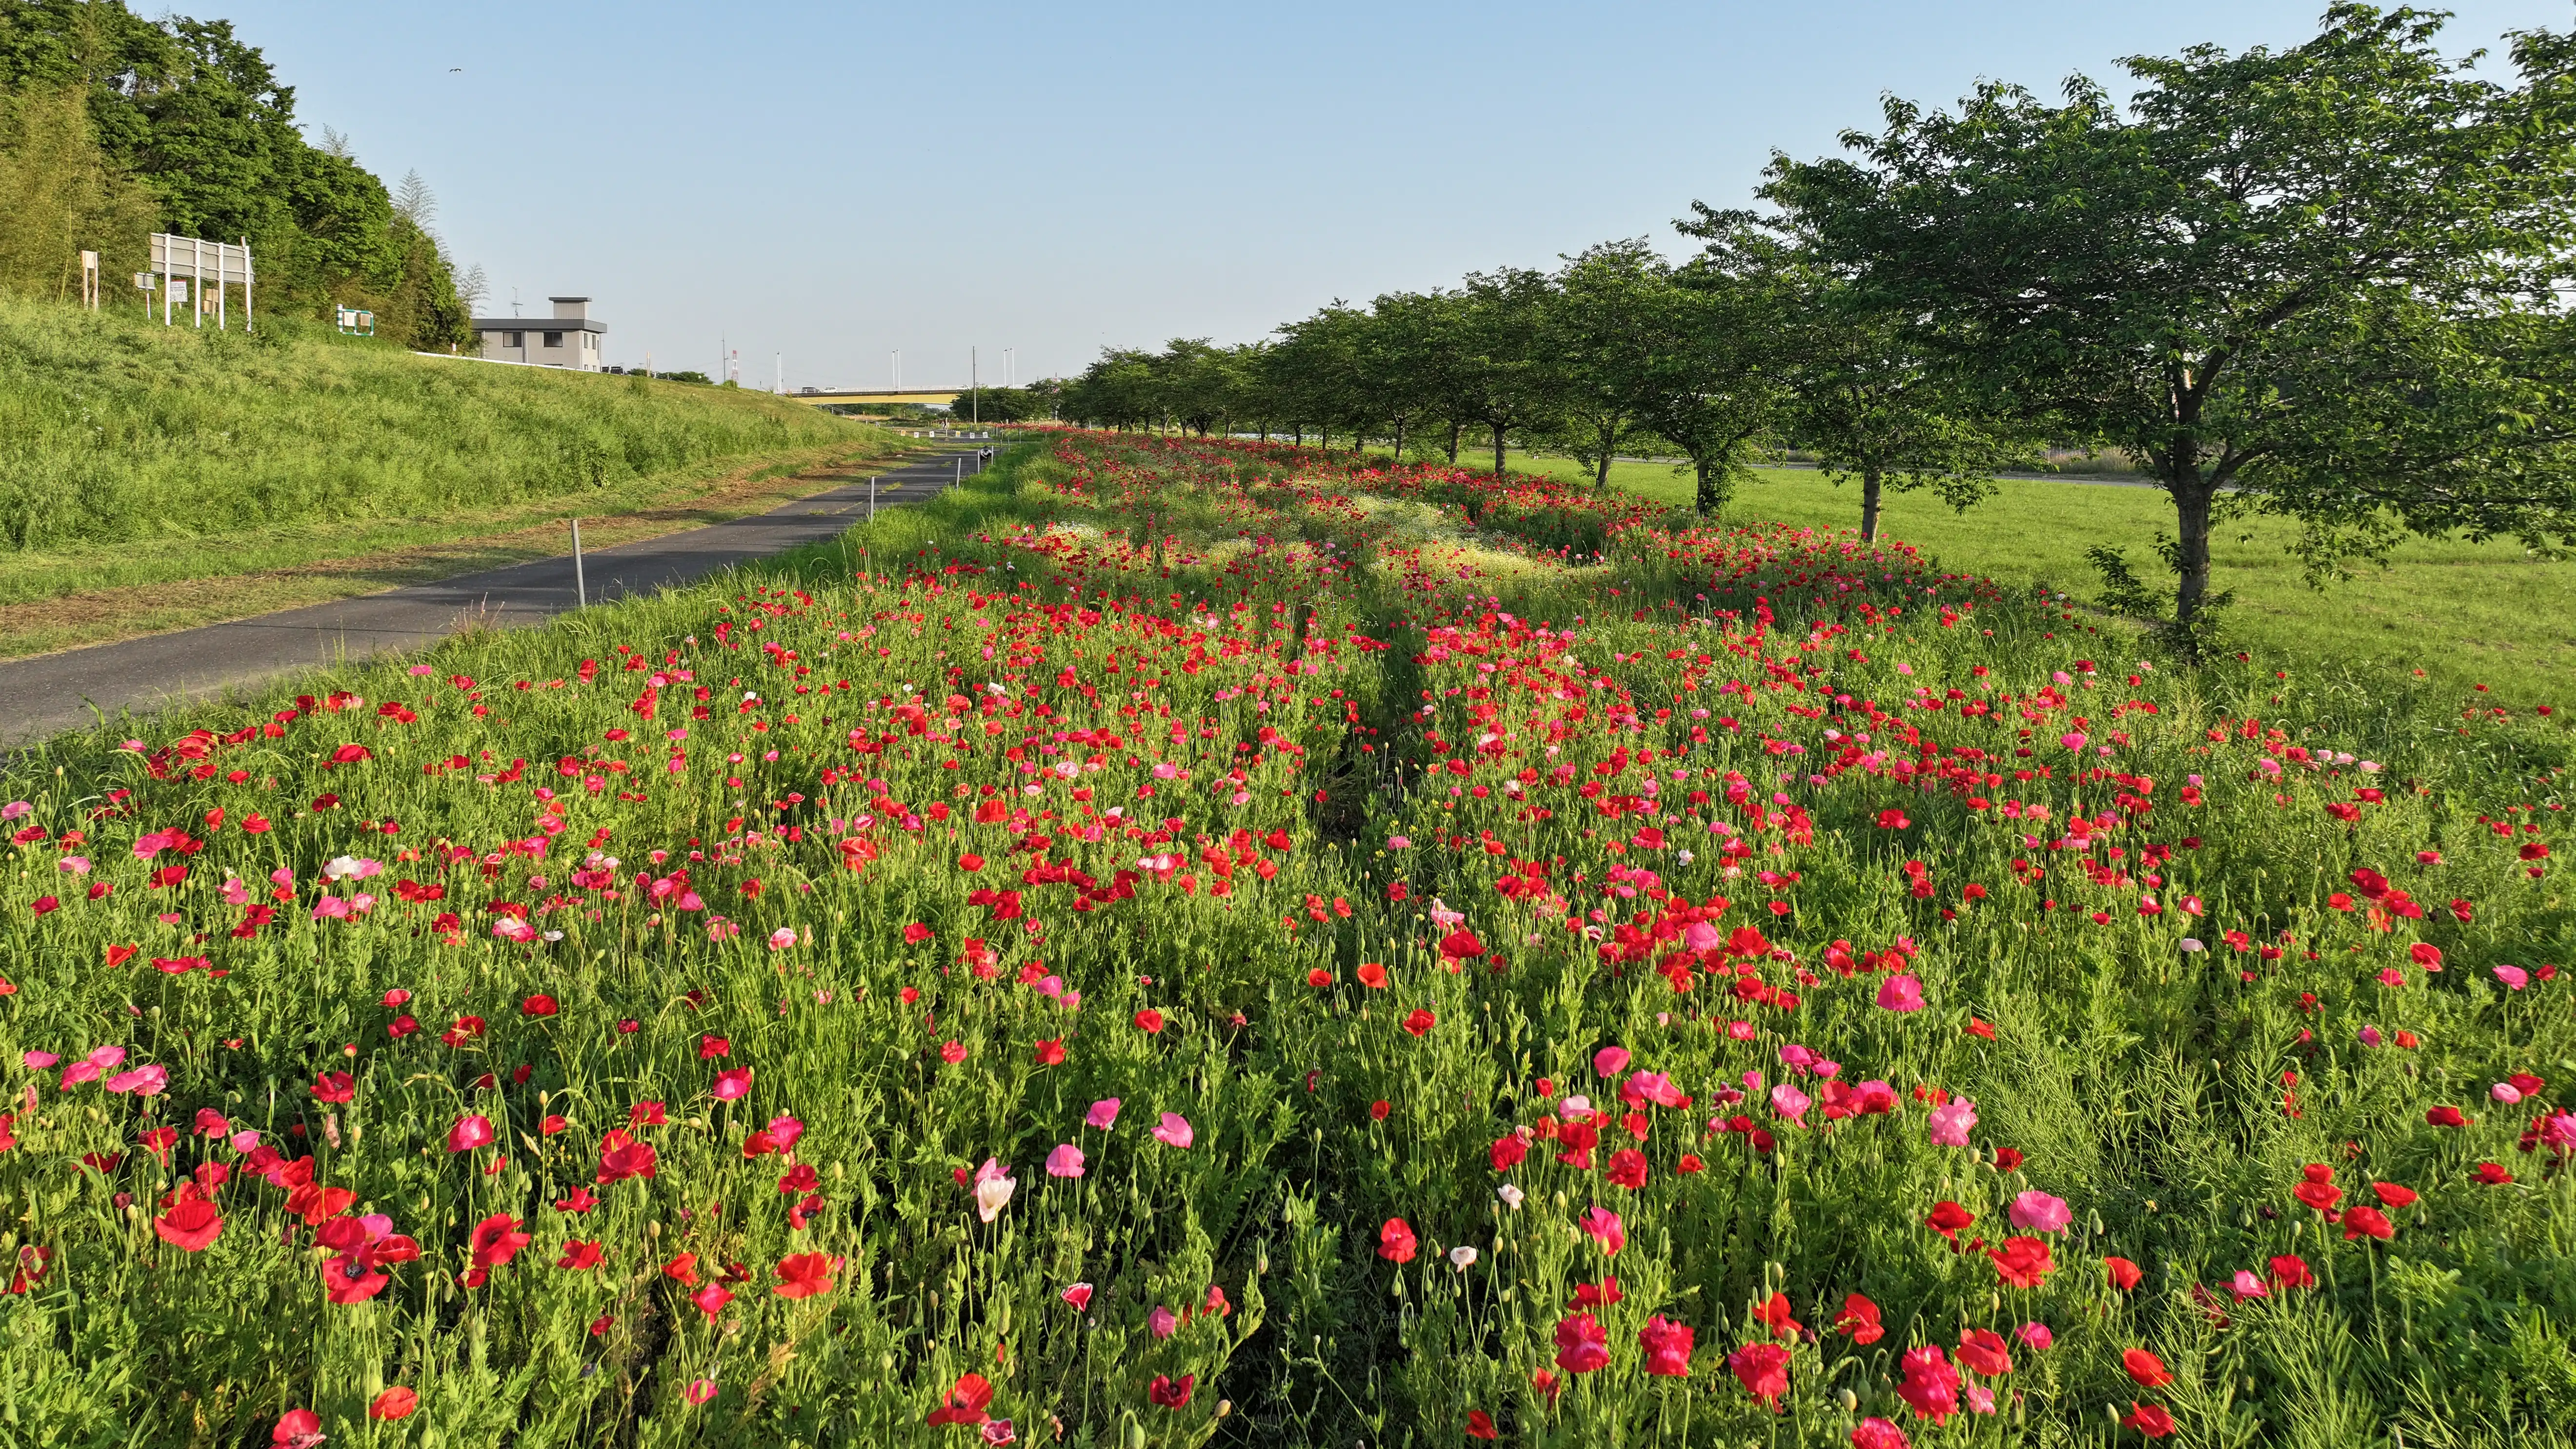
[2319,281]
[59,197]
[191,131]
[1186,696]
[121,429]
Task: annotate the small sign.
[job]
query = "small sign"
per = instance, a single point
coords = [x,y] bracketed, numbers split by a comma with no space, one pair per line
[357,322]
[144,281]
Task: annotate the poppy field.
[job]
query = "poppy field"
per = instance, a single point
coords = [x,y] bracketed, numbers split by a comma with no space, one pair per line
[1188,942]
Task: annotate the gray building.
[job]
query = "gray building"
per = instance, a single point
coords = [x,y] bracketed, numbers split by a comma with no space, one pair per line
[567,339]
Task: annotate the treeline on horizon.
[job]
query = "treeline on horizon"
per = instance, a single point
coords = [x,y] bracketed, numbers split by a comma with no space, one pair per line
[2329,282]
[113,126]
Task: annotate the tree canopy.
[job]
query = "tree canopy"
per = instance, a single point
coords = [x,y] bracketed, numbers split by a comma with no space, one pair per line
[2321,282]
[112,126]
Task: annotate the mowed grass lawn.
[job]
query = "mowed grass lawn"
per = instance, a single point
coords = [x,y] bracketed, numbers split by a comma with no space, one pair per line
[2463,613]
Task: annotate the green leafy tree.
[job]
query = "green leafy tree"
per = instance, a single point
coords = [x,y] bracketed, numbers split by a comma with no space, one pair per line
[2317,281]
[1715,350]
[1598,322]
[1867,399]
[1500,380]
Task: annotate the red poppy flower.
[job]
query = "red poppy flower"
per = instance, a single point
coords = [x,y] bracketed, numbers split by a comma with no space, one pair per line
[1763,1369]
[1982,1351]
[1508,1152]
[394,1403]
[1319,977]
[1627,1168]
[537,1005]
[191,1223]
[2148,1370]
[711,1300]
[2393,1196]
[1859,1319]
[496,1240]
[2367,1222]
[2124,1274]
[1480,1425]
[963,1404]
[2023,1262]
[1777,1317]
[1171,1393]
[622,1157]
[2446,1117]
[1948,1218]
[802,1275]
[2291,1271]
[1372,975]
[915,934]
[2149,1419]
[1395,1241]
[469,1133]
[578,1255]
[1420,1021]
[1582,1344]
[1150,1020]
[334,1087]
[1050,1053]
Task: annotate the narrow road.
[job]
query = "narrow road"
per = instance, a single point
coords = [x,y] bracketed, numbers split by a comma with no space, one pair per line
[51,693]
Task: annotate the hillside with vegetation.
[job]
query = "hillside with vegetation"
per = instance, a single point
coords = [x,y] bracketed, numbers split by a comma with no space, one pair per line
[113,126]
[150,469]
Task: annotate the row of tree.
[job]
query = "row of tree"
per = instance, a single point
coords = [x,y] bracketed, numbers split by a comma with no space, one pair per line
[2329,282]
[113,126]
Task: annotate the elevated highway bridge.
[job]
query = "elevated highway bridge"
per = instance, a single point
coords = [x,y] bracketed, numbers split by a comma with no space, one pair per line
[937,397]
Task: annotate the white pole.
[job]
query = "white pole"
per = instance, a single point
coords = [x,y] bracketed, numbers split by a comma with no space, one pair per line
[580,588]
[246,317]
[872,498]
[197,274]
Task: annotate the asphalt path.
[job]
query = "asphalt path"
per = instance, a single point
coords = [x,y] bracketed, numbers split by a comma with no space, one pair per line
[51,693]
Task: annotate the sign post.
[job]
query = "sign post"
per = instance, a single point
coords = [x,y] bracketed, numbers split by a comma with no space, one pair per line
[205,263]
[89,280]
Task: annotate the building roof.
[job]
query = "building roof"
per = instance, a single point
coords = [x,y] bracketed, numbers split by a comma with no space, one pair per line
[539,324]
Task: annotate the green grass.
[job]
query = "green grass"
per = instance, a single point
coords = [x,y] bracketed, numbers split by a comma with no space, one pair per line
[141,456]
[2463,613]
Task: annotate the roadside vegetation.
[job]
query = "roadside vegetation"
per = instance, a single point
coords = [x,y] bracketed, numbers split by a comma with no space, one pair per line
[1189,942]
[160,477]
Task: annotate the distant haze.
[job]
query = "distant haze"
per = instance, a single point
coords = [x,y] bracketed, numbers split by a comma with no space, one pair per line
[833,182]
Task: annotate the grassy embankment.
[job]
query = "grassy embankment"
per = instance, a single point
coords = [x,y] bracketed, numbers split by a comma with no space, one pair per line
[156,479]
[2462,613]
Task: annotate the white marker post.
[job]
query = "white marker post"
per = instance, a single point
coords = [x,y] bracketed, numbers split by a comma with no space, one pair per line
[580,588]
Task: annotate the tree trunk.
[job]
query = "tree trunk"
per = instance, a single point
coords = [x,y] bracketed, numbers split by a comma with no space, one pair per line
[2192,498]
[1454,430]
[1870,479]
[1601,471]
[1498,452]
[1712,492]
[1300,435]
[1399,442]
[1325,439]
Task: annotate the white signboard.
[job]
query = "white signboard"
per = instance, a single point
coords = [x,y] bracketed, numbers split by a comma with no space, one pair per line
[216,263]
[211,265]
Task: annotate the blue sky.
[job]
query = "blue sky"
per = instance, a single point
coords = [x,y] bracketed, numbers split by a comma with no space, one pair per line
[833,182]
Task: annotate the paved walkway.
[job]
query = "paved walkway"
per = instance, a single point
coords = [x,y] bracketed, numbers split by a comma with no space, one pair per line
[51,693]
